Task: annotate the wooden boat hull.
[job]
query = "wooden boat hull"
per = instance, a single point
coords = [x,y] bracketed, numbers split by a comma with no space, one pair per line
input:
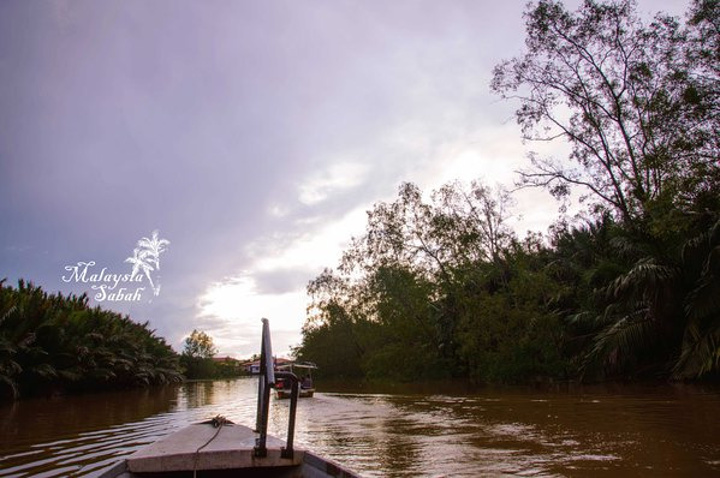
[219,452]
[304,393]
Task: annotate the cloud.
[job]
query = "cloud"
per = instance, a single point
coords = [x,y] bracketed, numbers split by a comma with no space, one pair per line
[282,281]
[236,306]
[337,177]
[254,136]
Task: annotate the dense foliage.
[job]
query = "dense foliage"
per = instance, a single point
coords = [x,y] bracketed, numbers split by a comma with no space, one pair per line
[439,285]
[198,359]
[50,343]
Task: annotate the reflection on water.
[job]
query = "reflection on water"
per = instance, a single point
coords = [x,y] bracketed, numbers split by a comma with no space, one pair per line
[622,432]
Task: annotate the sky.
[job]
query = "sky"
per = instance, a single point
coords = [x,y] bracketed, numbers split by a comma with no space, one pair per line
[253,136]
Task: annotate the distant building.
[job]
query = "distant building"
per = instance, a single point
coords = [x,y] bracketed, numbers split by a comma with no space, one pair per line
[254,366]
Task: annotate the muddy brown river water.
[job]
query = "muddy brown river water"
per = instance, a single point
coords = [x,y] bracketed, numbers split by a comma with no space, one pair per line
[438,430]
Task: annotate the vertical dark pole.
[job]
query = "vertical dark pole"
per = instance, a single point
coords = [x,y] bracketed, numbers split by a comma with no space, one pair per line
[267,380]
[258,414]
[287,452]
[261,448]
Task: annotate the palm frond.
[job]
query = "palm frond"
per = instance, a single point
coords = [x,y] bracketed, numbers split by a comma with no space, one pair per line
[620,342]
[625,247]
[644,277]
[700,352]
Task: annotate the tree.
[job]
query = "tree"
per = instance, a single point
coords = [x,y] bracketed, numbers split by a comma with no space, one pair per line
[700,351]
[459,225]
[197,356]
[199,345]
[637,104]
[660,316]
[51,343]
[392,307]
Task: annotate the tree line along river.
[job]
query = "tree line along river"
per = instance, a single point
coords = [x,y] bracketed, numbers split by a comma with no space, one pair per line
[435,430]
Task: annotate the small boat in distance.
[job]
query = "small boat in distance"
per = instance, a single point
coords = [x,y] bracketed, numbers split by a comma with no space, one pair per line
[220,448]
[303,370]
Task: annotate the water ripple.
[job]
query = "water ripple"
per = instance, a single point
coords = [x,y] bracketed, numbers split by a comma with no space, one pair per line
[385,435]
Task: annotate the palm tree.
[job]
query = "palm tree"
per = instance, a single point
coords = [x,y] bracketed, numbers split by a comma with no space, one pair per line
[663,315]
[50,341]
[9,367]
[700,351]
[638,326]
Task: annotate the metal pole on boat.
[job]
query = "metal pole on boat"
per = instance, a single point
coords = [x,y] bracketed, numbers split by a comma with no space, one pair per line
[258,413]
[266,381]
[287,452]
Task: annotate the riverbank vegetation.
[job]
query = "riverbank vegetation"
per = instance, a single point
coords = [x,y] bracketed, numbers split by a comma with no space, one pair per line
[439,285]
[197,356]
[54,344]
[199,361]
[51,343]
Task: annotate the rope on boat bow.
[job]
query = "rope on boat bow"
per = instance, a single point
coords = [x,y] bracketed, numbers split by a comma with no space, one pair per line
[218,421]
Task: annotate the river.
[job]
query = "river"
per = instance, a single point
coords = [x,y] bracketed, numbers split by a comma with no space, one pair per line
[443,430]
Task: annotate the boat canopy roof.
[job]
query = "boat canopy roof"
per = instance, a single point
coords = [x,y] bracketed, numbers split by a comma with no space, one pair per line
[306,365]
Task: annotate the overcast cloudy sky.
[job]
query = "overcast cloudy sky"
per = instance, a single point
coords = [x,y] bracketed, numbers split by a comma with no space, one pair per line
[252,135]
